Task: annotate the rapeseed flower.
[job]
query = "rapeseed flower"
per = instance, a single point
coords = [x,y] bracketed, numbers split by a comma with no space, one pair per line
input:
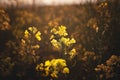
[67,41]
[26,33]
[37,36]
[37,68]
[66,70]
[54,74]
[72,53]
[30,28]
[62,31]
[60,40]
[56,44]
[53,68]
[54,31]
[72,41]
[47,63]
[31,35]
[34,30]
[36,46]
[52,37]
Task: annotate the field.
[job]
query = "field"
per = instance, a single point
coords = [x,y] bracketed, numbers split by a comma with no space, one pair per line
[67,42]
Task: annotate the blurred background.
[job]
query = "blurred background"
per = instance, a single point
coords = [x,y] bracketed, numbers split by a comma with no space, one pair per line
[43,2]
[94,24]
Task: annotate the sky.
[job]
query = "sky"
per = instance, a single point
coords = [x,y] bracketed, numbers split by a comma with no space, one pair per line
[44,2]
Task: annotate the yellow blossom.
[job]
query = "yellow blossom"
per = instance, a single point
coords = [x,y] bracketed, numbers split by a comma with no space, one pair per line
[66,41]
[41,68]
[26,33]
[37,36]
[47,63]
[46,73]
[51,37]
[55,43]
[36,46]
[47,69]
[62,62]
[53,31]
[66,70]
[72,53]
[30,28]
[54,74]
[62,31]
[72,41]
[34,30]
[53,68]
[37,68]
[41,64]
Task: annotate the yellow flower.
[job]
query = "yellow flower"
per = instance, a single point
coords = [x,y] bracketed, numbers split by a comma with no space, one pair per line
[34,30]
[37,36]
[72,53]
[37,68]
[62,62]
[53,31]
[47,69]
[62,31]
[51,37]
[53,68]
[73,50]
[65,41]
[30,28]
[26,33]
[47,63]
[72,41]
[66,70]
[36,46]
[41,64]
[41,68]
[54,63]
[55,43]
[54,74]
[46,73]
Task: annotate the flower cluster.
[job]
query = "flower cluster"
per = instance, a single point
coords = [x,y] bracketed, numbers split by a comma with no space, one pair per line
[108,69]
[31,31]
[4,20]
[60,41]
[53,68]
[67,41]
[61,31]
[30,41]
